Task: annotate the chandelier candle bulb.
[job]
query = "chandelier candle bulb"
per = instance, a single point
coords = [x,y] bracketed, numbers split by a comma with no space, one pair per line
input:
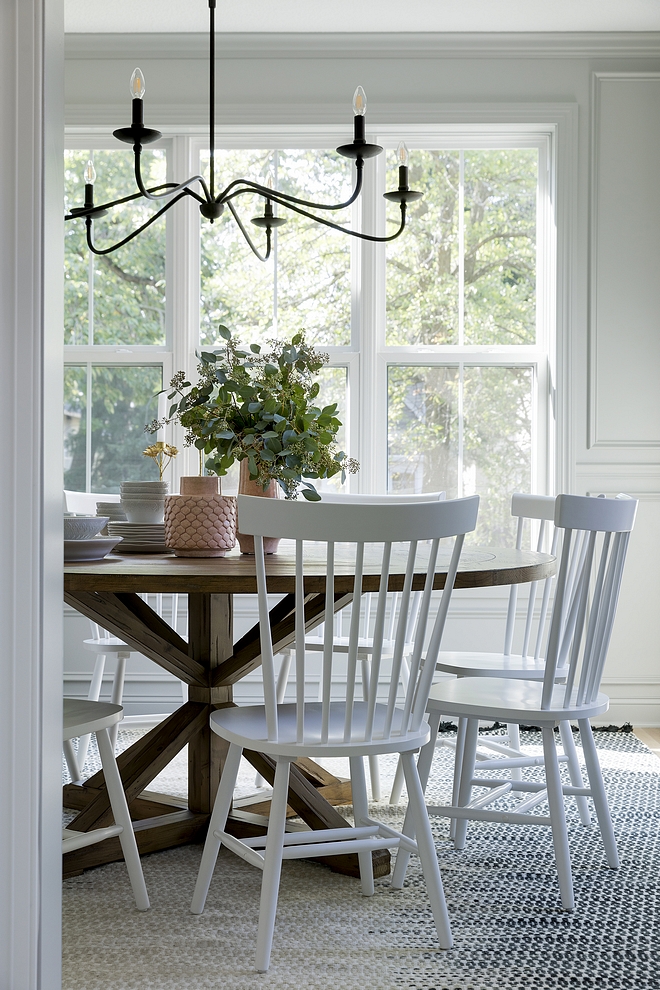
[403,159]
[89,175]
[137,84]
[137,92]
[359,109]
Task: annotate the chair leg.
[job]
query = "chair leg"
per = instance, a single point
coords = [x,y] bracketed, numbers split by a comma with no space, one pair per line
[374,773]
[217,823]
[71,760]
[361,814]
[118,693]
[397,786]
[427,854]
[467,773]
[93,694]
[598,793]
[270,884]
[423,770]
[458,766]
[122,817]
[513,732]
[568,744]
[558,817]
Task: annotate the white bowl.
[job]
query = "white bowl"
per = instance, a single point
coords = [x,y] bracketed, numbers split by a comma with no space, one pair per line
[83,527]
[144,511]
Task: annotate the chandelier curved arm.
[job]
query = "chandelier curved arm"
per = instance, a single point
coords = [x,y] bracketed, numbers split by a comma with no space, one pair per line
[249,186]
[177,188]
[261,257]
[327,223]
[125,199]
[101,251]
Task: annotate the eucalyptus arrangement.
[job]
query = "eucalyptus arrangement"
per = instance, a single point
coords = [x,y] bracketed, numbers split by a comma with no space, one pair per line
[258,405]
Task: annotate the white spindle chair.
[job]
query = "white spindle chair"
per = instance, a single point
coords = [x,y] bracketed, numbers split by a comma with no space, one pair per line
[595,541]
[529,664]
[347,727]
[315,642]
[82,718]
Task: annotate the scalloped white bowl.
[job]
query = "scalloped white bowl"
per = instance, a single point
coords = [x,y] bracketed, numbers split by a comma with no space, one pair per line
[83,527]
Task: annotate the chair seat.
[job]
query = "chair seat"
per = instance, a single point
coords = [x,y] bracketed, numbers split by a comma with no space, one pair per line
[504,700]
[340,645]
[110,644]
[491,665]
[246,726]
[82,717]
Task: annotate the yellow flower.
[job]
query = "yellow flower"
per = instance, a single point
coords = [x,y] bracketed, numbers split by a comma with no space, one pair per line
[162,453]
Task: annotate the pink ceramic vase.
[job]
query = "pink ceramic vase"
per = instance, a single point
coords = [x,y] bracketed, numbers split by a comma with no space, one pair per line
[200,522]
[247,487]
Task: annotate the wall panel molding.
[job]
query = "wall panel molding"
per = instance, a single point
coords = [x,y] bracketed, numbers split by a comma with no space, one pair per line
[624,325]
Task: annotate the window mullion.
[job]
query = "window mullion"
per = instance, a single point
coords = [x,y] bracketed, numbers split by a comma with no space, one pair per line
[88,429]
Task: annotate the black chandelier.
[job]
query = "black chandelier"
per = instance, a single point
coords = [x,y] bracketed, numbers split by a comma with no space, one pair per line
[211,204]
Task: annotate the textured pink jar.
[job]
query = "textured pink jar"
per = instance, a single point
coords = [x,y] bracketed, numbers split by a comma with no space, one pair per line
[200,525]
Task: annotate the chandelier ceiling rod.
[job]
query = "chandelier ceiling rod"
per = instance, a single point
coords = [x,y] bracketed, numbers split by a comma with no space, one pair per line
[212,206]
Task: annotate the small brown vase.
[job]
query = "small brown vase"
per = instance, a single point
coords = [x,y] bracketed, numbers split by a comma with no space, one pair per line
[248,487]
[200,522]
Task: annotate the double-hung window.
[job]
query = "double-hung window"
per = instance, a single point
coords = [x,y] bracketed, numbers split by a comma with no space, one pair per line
[439,343]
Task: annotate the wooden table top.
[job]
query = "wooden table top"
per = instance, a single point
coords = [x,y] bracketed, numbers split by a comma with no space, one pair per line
[480,567]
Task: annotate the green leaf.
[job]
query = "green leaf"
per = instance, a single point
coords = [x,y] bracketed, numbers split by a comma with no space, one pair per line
[224,332]
[267,455]
[311,494]
[255,348]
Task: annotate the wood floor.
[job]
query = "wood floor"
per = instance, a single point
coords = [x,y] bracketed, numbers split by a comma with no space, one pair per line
[650,738]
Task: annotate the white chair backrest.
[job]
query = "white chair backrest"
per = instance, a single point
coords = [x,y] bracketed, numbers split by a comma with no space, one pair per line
[540,508]
[85,502]
[587,592]
[362,525]
[389,498]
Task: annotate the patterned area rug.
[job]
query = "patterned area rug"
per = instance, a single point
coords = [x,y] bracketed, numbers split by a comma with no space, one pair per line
[502,893]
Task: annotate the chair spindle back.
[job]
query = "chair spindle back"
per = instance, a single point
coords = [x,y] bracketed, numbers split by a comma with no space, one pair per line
[365,545]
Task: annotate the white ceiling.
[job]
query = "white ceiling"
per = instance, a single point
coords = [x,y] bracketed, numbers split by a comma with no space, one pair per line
[149,16]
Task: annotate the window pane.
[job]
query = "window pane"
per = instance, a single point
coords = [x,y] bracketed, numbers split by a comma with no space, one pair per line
[423,429]
[128,286]
[75,428]
[500,246]
[236,288]
[422,265]
[76,254]
[485,451]
[497,459]
[313,262]
[123,402]
[333,382]
[306,284]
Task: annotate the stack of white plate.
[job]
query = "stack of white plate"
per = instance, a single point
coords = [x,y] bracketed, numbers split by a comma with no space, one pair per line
[112,510]
[139,537]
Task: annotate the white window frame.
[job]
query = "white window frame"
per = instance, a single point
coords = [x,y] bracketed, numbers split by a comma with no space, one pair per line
[367,357]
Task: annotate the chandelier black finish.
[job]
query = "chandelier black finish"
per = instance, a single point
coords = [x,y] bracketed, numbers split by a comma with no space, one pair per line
[211,204]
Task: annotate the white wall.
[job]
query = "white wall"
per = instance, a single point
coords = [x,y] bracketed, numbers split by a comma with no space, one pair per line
[607,88]
[31,117]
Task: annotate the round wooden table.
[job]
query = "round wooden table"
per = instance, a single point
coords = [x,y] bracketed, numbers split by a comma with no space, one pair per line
[106,591]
